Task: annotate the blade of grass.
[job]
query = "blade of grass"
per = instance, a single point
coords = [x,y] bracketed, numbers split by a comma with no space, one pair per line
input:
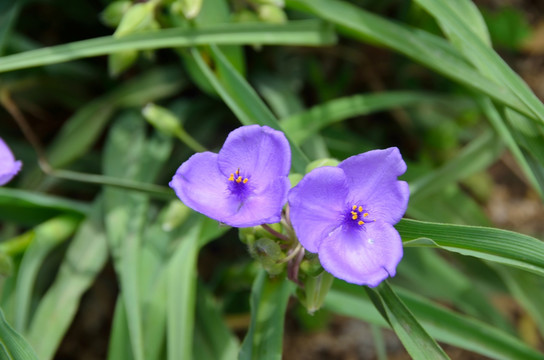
[306,124]
[476,156]
[501,246]
[84,259]
[413,336]
[483,57]
[12,345]
[429,50]
[27,207]
[268,304]
[444,324]
[46,237]
[291,33]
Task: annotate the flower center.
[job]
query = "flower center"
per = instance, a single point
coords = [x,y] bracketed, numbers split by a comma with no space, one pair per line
[236,177]
[357,216]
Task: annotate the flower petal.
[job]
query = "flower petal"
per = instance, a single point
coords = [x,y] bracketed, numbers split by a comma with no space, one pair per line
[316,205]
[263,207]
[363,257]
[9,167]
[199,185]
[372,180]
[260,152]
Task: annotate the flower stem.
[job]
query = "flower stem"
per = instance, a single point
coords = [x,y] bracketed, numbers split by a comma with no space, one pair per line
[275,233]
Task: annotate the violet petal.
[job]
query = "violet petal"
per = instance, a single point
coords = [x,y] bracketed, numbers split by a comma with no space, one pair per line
[260,152]
[200,186]
[363,257]
[9,167]
[372,180]
[317,204]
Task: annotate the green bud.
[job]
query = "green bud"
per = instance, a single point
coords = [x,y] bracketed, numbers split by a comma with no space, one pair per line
[316,289]
[161,119]
[113,13]
[310,266]
[138,18]
[249,234]
[320,163]
[268,253]
[190,8]
[294,179]
[272,14]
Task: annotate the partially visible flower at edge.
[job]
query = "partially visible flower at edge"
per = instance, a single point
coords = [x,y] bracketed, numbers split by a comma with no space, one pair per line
[346,215]
[9,167]
[245,184]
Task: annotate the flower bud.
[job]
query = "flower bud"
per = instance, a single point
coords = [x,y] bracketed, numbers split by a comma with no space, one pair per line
[315,291]
[268,253]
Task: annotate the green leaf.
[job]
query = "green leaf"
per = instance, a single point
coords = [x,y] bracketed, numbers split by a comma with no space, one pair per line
[412,335]
[431,51]
[268,304]
[212,336]
[476,156]
[483,57]
[243,100]
[304,125]
[502,246]
[46,237]
[442,323]
[27,207]
[302,33]
[181,295]
[12,345]
[509,137]
[84,259]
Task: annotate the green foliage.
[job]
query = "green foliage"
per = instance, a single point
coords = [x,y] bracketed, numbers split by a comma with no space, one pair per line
[103,138]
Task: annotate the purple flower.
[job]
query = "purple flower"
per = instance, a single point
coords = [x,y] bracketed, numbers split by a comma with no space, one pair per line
[245,184]
[346,215]
[8,166]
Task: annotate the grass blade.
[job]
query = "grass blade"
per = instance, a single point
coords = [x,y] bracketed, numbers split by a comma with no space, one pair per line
[84,259]
[412,335]
[292,33]
[268,304]
[502,246]
[12,345]
[429,50]
[303,125]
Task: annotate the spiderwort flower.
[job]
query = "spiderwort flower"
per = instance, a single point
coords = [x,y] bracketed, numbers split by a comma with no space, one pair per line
[245,184]
[9,167]
[346,215]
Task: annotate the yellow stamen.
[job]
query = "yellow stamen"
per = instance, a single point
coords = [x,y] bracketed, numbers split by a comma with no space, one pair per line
[246,180]
[361,222]
[360,209]
[354,215]
[231,177]
[354,207]
[365,214]
[237,172]
[239,179]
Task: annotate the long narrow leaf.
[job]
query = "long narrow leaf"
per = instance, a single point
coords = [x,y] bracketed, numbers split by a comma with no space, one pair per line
[292,33]
[12,345]
[502,246]
[268,304]
[412,335]
[432,51]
